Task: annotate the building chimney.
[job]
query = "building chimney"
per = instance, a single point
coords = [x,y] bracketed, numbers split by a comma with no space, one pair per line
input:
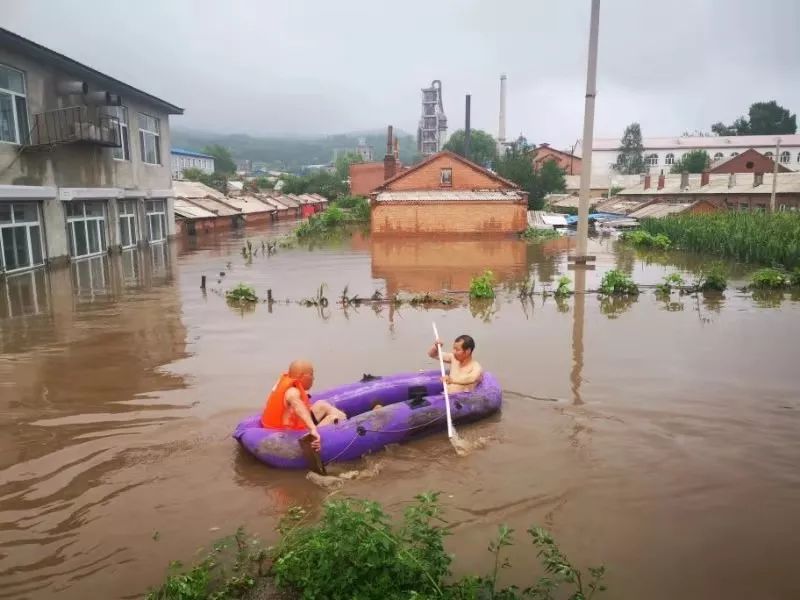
[501,130]
[467,131]
[661,181]
[704,177]
[647,180]
[389,164]
[684,180]
[758,179]
[731,180]
[396,148]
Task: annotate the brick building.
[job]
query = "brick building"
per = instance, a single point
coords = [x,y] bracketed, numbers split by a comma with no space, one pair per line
[447,193]
[735,191]
[749,161]
[366,176]
[570,163]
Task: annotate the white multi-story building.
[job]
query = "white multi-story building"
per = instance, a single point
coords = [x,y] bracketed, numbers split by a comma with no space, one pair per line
[186,159]
[661,153]
[82,164]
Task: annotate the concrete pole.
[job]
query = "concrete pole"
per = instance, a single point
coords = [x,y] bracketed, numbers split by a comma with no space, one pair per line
[588,134]
[775,175]
[576,373]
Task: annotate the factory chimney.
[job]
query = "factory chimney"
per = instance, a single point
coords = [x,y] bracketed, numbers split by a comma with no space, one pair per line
[467,130]
[389,164]
[501,131]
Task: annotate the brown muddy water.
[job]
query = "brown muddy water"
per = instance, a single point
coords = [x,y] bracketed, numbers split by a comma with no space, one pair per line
[669,451]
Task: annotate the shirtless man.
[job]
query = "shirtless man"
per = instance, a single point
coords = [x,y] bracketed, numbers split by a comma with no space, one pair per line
[465,371]
[289,404]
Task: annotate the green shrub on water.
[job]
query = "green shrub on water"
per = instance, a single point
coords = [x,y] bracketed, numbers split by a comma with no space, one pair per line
[482,286]
[670,281]
[616,283]
[348,202]
[712,279]
[643,239]
[532,234]
[562,291]
[795,277]
[242,293]
[334,219]
[745,236]
[770,279]
[361,212]
[229,570]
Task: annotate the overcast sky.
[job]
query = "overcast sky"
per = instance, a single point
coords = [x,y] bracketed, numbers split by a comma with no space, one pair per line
[322,66]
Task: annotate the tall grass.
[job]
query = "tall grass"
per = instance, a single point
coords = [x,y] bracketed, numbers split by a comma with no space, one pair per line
[744,236]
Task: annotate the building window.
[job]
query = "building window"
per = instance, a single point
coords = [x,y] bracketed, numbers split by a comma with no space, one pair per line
[121,114]
[719,156]
[127,223]
[86,227]
[150,139]
[785,157]
[20,236]
[798,157]
[734,154]
[670,159]
[156,211]
[446,177]
[13,107]
[652,160]
[768,154]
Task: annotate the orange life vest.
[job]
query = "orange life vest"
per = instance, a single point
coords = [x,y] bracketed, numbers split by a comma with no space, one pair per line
[273,415]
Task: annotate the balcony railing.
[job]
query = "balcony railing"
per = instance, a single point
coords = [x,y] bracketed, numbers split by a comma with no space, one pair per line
[74,125]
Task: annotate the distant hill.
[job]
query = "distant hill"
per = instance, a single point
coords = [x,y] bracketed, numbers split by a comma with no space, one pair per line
[291,154]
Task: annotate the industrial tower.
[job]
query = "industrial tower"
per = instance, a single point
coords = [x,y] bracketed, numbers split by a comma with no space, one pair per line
[432,131]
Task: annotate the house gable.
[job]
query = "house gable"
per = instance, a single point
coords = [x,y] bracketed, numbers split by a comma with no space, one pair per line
[464,175]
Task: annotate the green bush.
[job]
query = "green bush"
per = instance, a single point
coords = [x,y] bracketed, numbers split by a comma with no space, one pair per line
[616,283]
[562,291]
[712,279]
[349,202]
[537,235]
[670,281]
[482,286]
[644,239]
[770,279]
[242,293]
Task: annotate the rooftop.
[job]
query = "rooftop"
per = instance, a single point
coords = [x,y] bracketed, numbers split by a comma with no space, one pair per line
[187,210]
[722,183]
[450,196]
[183,152]
[9,39]
[691,142]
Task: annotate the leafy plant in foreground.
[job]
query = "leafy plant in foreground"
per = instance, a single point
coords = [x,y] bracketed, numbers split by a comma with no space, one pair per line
[645,239]
[532,234]
[242,293]
[770,279]
[562,291]
[616,283]
[670,281]
[482,286]
[712,279]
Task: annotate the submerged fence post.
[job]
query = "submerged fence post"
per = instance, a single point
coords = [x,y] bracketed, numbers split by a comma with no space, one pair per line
[203,282]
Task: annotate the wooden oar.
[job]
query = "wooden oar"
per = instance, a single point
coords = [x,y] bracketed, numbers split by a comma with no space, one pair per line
[451,431]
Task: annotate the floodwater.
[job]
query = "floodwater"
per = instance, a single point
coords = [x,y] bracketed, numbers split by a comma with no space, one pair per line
[657,437]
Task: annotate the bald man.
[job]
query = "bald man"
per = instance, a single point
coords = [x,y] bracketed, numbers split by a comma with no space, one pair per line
[289,404]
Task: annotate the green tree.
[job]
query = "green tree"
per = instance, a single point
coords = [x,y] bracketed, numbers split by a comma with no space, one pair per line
[482,146]
[263,183]
[343,162]
[765,118]
[223,161]
[318,182]
[517,166]
[549,179]
[693,162]
[630,160]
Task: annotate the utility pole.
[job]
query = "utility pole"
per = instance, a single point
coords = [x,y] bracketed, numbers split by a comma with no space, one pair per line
[775,175]
[588,134]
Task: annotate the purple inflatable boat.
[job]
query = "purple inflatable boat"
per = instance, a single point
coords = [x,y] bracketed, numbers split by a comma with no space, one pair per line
[381,411]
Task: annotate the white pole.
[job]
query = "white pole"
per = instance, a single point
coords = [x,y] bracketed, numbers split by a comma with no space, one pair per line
[588,134]
[775,175]
[450,429]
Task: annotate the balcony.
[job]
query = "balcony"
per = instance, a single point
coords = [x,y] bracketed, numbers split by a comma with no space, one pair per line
[90,125]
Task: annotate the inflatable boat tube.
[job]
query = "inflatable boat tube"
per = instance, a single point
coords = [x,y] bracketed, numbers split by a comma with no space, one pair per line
[381,411]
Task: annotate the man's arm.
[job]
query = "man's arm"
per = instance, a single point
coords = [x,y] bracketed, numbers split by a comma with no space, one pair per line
[295,402]
[446,356]
[468,376]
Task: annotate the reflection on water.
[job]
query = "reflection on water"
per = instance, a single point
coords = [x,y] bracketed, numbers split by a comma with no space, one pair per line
[120,382]
[79,345]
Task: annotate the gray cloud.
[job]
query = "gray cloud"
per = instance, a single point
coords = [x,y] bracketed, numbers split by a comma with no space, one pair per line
[323,67]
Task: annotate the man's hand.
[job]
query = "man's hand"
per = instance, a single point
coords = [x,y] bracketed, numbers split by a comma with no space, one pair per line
[446,379]
[316,443]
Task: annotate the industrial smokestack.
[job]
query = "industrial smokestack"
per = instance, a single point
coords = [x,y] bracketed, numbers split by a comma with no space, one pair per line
[389,138]
[467,132]
[501,131]
[389,164]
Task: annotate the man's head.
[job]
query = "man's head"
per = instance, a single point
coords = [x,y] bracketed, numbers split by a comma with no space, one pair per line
[303,371]
[463,347]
